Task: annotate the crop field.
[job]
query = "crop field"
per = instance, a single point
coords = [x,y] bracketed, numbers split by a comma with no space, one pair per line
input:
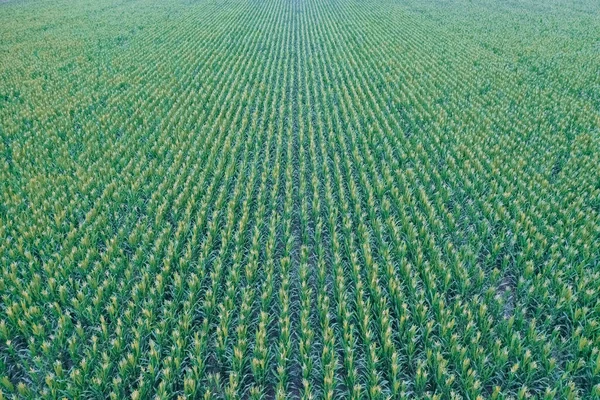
[299,199]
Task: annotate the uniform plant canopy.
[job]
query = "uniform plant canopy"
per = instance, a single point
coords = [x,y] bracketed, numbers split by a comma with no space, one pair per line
[299,199]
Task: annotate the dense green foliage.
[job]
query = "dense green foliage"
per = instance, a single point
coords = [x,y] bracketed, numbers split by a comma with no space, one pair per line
[299,199]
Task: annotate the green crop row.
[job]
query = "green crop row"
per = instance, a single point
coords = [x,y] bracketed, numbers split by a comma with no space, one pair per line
[299,199]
